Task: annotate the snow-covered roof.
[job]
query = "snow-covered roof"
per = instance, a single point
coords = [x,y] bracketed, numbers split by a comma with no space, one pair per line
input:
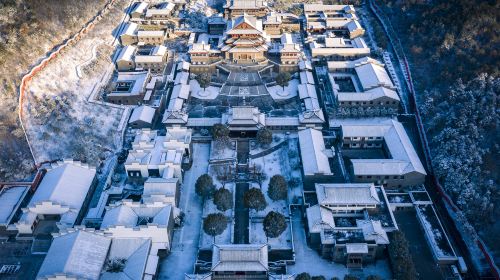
[78,254]
[160,186]
[373,75]
[306,77]
[282,121]
[131,29]
[312,116]
[156,55]
[339,46]
[183,65]
[305,65]
[347,194]
[307,91]
[126,53]
[368,95]
[308,8]
[312,151]
[165,10]
[140,7]
[373,231]
[150,33]
[244,115]
[247,4]
[133,214]
[136,253]
[180,91]
[66,183]
[356,248]
[240,257]
[142,113]
[404,158]
[181,78]
[254,23]
[149,148]
[11,198]
[319,218]
[197,122]
[138,81]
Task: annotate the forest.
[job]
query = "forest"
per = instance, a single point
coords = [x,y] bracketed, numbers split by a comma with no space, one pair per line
[28,30]
[453,48]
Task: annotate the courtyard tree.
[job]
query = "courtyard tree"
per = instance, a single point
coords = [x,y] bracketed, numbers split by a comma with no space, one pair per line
[223,199]
[204,186]
[303,276]
[225,174]
[278,188]
[204,80]
[264,136]
[258,175]
[401,261]
[254,199]
[274,224]
[215,224]
[282,79]
[220,132]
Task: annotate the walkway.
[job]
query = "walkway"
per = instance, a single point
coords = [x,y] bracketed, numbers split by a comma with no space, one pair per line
[241,215]
[185,242]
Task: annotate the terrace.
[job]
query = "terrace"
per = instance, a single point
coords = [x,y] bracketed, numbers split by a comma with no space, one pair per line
[435,235]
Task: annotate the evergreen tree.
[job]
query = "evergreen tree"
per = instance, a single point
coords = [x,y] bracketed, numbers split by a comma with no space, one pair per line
[278,188]
[274,224]
[204,186]
[254,199]
[223,199]
[215,224]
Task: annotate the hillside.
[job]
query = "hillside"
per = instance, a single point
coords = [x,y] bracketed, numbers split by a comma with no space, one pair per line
[28,30]
[453,48]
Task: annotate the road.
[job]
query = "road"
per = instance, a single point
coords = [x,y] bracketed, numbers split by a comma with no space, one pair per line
[186,239]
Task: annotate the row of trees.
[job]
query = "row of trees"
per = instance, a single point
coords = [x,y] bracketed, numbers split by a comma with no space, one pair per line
[214,224]
[360,112]
[274,224]
[401,261]
[253,198]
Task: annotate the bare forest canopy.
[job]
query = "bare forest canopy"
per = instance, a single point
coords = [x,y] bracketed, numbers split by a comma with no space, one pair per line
[452,39]
[28,30]
[453,48]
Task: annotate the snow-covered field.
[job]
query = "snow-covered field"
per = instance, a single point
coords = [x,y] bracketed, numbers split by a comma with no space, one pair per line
[61,122]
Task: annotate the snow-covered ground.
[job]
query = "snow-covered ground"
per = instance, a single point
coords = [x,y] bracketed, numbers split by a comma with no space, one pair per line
[271,164]
[277,92]
[210,93]
[308,260]
[209,208]
[86,128]
[222,152]
[185,242]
